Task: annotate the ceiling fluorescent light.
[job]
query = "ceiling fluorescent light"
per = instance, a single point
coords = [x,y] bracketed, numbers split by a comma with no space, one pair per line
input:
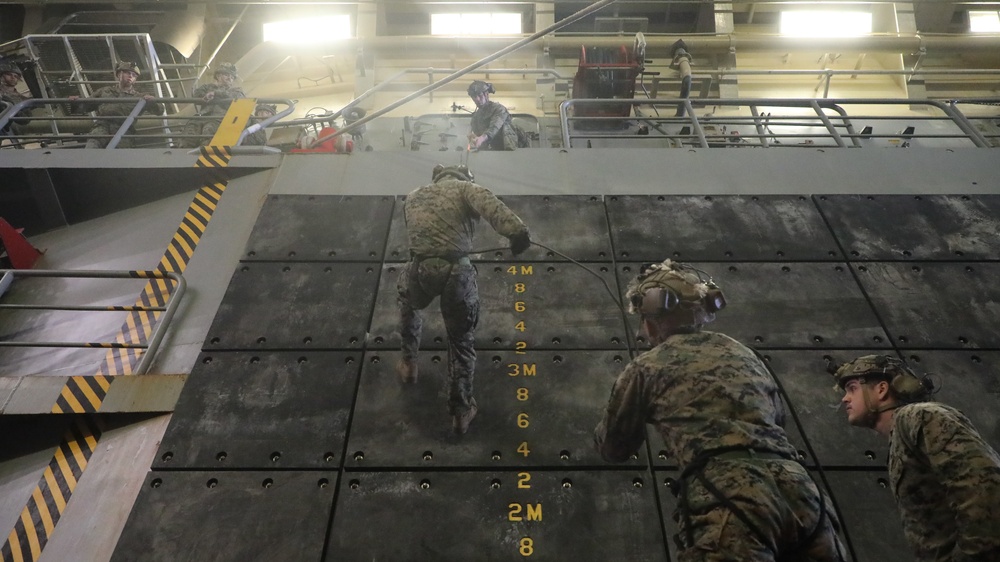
[806,23]
[476,24]
[984,22]
[313,30]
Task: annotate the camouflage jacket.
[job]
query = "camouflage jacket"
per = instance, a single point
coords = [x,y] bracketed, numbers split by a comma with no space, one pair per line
[11,94]
[223,97]
[493,120]
[257,138]
[702,391]
[441,217]
[121,109]
[946,479]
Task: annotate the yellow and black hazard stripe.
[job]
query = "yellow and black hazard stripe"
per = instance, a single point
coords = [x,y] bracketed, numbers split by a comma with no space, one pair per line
[84,395]
[39,517]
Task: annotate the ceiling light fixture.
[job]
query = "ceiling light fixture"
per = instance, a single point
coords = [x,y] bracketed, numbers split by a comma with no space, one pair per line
[808,23]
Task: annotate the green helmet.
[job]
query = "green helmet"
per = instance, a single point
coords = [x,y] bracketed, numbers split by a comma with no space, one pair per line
[127,66]
[478,87]
[226,68]
[905,384]
[11,68]
[266,107]
[461,173]
[675,288]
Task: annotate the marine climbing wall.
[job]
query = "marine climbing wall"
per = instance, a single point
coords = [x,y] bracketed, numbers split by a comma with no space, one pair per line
[294,440]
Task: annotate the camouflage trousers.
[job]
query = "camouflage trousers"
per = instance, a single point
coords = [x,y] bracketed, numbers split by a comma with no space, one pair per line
[109,128]
[199,132]
[777,496]
[419,283]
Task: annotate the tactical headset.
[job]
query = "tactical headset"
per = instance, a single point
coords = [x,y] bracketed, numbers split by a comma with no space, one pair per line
[478,87]
[462,173]
[905,384]
[659,300]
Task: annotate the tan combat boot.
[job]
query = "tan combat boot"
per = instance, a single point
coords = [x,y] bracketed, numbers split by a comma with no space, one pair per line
[460,423]
[407,369]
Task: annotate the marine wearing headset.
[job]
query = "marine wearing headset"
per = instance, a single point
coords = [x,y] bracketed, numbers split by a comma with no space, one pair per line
[440,224]
[743,494]
[944,475]
[492,125]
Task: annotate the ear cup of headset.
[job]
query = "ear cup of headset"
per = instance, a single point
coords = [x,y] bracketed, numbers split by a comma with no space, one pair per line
[658,300]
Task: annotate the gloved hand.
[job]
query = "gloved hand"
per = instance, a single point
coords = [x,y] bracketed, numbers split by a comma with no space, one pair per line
[519,242]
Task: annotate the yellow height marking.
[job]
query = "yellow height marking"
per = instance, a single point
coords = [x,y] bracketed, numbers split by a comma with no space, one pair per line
[86,394]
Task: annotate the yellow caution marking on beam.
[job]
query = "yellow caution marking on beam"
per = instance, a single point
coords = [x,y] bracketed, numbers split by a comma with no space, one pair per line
[83,395]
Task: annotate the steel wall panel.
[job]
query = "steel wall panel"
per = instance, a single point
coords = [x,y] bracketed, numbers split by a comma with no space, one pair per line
[869,514]
[295,306]
[566,515]
[262,410]
[320,228]
[565,308]
[790,305]
[915,227]
[234,516]
[398,425]
[718,228]
[934,304]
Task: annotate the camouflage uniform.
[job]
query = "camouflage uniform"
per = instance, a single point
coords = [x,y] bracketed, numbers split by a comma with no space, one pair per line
[493,120]
[11,95]
[199,132]
[120,109]
[256,138]
[946,480]
[720,415]
[440,223]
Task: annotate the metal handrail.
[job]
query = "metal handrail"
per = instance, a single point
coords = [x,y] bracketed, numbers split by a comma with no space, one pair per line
[836,127]
[160,326]
[54,120]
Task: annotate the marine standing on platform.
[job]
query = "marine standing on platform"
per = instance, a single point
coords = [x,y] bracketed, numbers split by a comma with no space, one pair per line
[743,494]
[116,112]
[440,225]
[944,475]
[216,98]
[10,76]
[260,113]
[492,126]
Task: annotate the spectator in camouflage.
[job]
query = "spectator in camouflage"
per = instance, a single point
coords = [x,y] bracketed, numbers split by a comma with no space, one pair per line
[492,126]
[10,76]
[742,494]
[440,225]
[262,112]
[112,114]
[216,98]
[944,475]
